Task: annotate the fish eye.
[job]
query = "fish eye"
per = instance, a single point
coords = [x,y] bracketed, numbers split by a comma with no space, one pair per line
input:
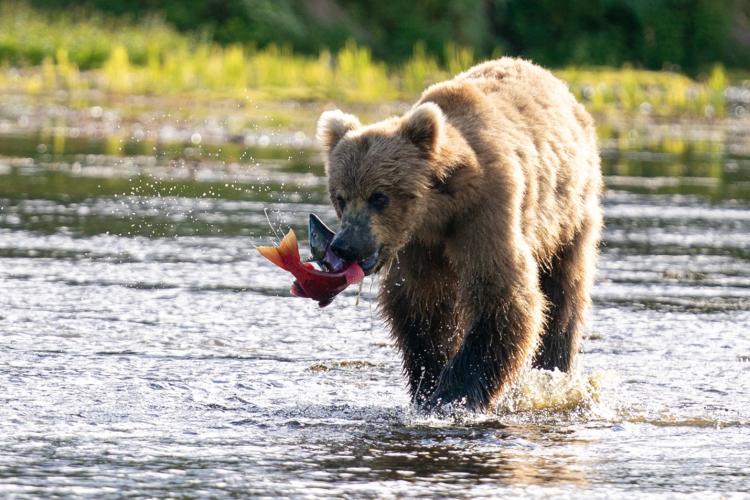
[378,201]
[341,202]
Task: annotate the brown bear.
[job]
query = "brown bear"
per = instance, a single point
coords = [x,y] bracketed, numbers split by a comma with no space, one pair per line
[481,209]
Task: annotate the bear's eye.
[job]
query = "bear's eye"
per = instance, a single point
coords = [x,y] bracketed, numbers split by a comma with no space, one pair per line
[341,202]
[378,201]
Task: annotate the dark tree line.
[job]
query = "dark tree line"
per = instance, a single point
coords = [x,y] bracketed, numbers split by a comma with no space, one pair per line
[689,34]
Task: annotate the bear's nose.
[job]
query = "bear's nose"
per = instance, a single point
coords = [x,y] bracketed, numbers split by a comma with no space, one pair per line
[343,248]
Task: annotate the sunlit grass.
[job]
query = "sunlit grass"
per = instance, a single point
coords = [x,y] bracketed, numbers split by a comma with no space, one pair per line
[27,36]
[78,53]
[658,93]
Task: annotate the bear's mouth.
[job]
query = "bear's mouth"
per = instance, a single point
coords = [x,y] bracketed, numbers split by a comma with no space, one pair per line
[371,264]
[320,247]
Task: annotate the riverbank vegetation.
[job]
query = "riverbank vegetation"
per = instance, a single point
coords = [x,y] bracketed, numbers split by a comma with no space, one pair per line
[42,54]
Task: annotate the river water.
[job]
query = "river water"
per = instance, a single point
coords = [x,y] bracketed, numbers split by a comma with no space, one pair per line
[147,349]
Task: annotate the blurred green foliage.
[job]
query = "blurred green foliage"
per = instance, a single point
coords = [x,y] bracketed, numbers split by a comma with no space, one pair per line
[689,34]
[28,37]
[76,54]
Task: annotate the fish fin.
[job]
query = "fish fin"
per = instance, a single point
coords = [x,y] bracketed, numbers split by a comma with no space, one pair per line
[284,255]
[289,248]
[272,254]
[297,290]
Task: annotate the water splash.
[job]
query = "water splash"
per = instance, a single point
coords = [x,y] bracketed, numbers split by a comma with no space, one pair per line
[557,394]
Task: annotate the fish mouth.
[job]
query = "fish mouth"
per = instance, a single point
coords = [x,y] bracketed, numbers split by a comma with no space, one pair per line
[320,238]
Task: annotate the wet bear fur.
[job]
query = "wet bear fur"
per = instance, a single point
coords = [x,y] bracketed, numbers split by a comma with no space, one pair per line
[488,237]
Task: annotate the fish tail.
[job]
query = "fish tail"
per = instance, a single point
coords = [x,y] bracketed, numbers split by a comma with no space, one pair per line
[272,254]
[286,255]
[289,248]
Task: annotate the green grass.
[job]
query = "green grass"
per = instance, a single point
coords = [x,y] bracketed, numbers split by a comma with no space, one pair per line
[28,37]
[76,53]
[656,93]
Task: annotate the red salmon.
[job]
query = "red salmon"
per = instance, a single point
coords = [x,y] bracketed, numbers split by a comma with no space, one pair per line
[318,285]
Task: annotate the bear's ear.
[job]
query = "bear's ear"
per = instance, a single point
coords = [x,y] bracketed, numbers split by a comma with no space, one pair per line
[424,127]
[332,126]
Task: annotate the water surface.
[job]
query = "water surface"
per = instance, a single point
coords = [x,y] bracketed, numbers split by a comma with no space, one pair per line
[146,348]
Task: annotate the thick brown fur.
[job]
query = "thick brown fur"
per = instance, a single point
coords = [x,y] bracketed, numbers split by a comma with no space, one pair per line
[489,241]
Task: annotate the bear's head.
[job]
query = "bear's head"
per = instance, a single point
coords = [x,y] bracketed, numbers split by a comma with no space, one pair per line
[378,178]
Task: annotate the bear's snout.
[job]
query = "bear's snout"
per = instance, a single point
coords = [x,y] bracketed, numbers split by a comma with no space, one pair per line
[354,242]
[343,248]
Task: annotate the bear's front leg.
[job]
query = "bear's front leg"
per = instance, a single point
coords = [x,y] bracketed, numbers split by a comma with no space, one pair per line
[418,297]
[508,310]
